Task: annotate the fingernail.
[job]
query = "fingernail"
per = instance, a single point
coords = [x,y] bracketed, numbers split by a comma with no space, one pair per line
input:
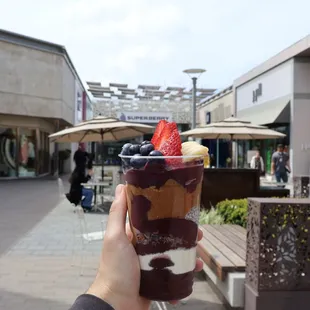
[119,190]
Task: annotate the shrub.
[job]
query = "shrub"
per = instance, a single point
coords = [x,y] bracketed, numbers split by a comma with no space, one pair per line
[233,211]
[210,217]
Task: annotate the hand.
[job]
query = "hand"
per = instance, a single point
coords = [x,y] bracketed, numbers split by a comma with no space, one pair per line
[90,172]
[118,278]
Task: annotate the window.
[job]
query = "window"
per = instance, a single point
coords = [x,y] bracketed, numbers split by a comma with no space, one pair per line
[8,152]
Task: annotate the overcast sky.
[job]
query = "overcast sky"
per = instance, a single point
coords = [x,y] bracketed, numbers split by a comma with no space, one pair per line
[152,41]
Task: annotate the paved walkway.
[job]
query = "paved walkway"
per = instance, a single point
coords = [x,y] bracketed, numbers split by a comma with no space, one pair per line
[42,270]
[23,204]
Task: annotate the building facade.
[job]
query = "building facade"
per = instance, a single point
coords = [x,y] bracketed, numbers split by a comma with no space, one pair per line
[37,98]
[215,109]
[146,104]
[277,94]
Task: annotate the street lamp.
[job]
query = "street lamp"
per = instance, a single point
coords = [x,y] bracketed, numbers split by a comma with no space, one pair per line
[194,74]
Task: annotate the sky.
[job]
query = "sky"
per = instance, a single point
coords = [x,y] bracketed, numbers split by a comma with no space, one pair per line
[153,41]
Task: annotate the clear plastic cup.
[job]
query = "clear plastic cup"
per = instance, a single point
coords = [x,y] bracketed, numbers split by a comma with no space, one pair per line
[163,196]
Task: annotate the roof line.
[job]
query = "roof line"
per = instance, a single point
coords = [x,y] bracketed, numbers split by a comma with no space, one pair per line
[215,96]
[291,51]
[46,46]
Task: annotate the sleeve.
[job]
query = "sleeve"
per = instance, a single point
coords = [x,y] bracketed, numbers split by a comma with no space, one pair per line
[252,164]
[274,158]
[90,302]
[262,164]
[86,179]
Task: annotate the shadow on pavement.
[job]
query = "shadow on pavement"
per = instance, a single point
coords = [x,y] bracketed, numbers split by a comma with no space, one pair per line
[16,301]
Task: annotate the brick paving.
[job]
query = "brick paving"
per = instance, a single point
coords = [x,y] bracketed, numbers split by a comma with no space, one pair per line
[42,269]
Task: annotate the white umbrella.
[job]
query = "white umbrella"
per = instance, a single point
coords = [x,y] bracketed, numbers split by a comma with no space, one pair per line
[101,129]
[233,129]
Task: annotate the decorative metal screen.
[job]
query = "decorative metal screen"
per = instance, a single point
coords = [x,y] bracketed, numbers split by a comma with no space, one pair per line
[278,244]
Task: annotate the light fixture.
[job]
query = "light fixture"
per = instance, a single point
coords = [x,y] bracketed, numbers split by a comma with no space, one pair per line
[194,74]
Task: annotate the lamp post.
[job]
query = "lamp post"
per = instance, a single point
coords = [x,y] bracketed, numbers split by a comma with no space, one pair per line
[194,75]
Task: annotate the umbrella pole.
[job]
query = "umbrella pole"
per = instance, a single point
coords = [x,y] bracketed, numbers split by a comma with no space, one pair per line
[217,153]
[102,159]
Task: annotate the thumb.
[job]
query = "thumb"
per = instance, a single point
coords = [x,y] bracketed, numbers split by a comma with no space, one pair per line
[117,216]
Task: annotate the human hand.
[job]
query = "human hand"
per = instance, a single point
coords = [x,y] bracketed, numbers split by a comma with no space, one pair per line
[90,172]
[118,277]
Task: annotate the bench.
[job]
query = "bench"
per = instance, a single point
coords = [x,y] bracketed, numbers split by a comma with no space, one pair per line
[223,252]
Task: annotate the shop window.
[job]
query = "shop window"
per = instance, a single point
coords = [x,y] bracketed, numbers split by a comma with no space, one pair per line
[27,153]
[8,152]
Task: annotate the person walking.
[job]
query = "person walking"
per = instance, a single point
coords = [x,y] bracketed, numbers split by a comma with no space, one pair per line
[257,162]
[280,166]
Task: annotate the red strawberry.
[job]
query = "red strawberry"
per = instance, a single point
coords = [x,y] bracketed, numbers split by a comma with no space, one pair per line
[159,128]
[169,143]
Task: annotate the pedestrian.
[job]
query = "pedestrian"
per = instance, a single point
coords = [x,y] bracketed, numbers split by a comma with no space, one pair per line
[280,166]
[257,162]
[80,157]
[77,190]
[116,285]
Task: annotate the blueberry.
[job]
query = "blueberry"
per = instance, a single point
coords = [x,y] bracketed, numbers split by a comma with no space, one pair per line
[125,149]
[137,162]
[145,142]
[156,153]
[134,149]
[146,149]
[157,161]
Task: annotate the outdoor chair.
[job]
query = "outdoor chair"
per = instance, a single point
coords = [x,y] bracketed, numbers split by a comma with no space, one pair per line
[81,232]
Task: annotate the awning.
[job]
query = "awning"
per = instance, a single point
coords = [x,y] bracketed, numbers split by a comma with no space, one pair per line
[275,111]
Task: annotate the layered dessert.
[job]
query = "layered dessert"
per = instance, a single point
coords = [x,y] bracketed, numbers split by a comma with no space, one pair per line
[164,179]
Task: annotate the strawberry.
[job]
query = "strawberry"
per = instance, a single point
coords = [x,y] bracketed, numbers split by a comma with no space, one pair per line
[159,128]
[169,143]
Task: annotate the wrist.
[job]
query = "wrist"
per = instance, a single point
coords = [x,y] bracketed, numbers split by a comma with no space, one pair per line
[101,291]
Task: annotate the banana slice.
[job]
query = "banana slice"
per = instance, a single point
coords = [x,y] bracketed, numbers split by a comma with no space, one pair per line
[192,148]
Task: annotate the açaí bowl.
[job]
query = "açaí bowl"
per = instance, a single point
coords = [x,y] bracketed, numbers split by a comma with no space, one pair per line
[163,204]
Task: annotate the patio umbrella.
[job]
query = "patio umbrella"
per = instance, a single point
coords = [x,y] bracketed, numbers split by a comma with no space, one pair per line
[101,129]
[233,129]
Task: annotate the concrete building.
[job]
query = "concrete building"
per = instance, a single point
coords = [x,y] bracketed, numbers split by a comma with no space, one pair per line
[40,93]
[277,94]
[216,107]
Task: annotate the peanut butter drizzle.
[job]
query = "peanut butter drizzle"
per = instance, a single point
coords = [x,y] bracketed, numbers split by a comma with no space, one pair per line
[169,201]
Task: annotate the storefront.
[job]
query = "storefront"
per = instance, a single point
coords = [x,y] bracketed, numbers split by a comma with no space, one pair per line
[277,94]
[24,150]
[266,100]
[215,109]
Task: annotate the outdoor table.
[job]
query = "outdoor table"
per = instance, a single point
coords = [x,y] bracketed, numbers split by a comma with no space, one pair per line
[94,185]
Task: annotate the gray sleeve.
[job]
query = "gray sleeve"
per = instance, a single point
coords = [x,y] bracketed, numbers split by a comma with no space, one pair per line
[287,157]
[274,158]
[90,302]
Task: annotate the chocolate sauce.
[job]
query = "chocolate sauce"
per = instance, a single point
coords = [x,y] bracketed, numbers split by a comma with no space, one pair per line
[161,263]
[188,177]
[163,285]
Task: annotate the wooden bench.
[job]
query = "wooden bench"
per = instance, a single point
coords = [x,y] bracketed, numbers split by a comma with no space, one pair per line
[223,251]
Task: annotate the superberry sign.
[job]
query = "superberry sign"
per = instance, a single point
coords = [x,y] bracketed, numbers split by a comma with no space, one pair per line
[144,117]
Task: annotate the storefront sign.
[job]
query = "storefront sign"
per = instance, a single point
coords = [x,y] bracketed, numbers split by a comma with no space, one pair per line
[144,117]
[257,92]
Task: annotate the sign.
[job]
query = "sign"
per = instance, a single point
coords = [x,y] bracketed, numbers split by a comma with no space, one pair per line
[257,92]
[144,117]
[208,118]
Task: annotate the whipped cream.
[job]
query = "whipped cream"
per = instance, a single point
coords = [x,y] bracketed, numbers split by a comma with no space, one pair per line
[184,260]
